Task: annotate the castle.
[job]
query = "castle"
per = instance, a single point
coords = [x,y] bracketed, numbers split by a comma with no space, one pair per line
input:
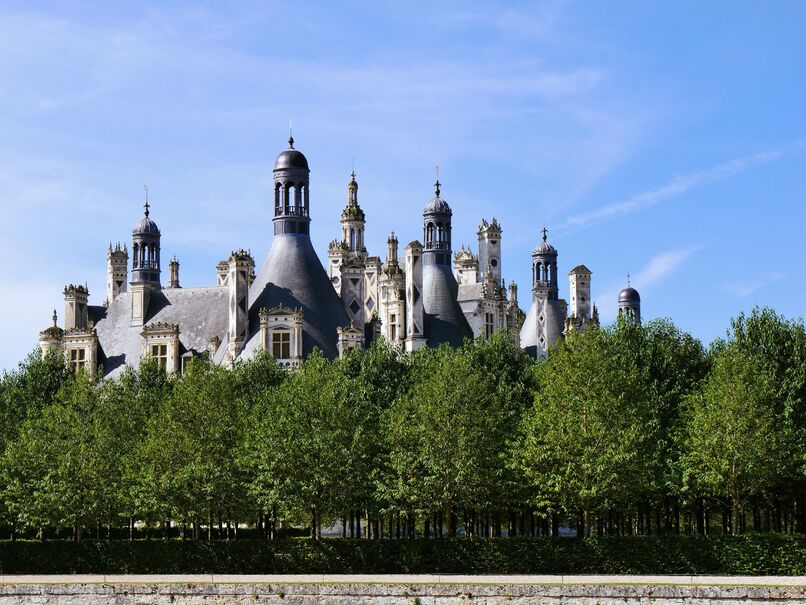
[293,304]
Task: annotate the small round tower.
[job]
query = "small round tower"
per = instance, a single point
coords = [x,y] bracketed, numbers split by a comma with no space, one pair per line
[629,303]
[544,269]
[291,192]
[146,250]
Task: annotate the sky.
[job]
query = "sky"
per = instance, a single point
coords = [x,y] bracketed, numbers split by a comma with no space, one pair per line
[666,140]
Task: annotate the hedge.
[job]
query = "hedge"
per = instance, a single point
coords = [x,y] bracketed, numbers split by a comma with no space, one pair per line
[767,554]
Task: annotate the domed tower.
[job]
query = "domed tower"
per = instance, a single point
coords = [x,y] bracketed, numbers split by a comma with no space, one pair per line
[444,320]
[292,280]
[146,250]
[545,321]
[629,303]
[145,266]
[544,269]
[291,193]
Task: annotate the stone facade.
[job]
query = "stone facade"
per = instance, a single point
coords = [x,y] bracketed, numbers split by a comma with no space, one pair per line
[399,590]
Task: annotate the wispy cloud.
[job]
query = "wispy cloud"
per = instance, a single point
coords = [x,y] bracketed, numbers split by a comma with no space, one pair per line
[657,270]
[674,188]
[745,287]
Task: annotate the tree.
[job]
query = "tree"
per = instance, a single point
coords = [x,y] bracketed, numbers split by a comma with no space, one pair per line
[732,445]
[52,470]
[583,444]
[191,449]
[300,441]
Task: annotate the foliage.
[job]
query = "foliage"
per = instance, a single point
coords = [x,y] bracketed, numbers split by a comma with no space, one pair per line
[771,554]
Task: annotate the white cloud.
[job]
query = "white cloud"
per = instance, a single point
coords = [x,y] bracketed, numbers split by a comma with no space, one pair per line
[674,188]
[743,288]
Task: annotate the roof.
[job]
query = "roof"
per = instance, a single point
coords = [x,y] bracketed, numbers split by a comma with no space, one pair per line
[444,319]
[580,269]
[201,314]
[629,295]
[292,275]
[291,158]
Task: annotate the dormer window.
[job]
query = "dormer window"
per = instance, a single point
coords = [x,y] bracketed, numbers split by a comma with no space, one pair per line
[281,334]
[161,343]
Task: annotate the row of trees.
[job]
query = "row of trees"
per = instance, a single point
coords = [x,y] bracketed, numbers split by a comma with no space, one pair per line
[628,429]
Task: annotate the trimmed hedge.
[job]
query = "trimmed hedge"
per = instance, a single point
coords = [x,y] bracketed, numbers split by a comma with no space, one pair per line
[768,554]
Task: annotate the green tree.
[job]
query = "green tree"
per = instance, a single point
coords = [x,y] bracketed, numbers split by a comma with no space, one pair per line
[190,455]
[583,444]
[732,444]
[300,441]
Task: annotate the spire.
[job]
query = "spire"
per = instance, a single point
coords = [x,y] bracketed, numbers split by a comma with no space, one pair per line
[54,318]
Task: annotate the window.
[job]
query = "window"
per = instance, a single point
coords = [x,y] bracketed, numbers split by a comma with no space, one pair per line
[78,359]
[393,327]
[281,345]
[160,353]
[489,325]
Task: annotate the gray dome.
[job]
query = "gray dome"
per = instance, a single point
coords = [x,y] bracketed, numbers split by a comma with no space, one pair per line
[146,226]
[291,158]
[544,248]
[629,295]
[437,206]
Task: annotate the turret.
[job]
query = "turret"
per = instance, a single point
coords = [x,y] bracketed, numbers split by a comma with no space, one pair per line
[544,269]
[353,220]
[444,319]
[117,272]
[291,192]
[50,339]
[391,251]
[629,303]
[145,265]
[146,251]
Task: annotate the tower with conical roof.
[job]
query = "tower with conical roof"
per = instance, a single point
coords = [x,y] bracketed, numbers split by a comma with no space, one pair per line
[291,286]
[443,317]
[545,321]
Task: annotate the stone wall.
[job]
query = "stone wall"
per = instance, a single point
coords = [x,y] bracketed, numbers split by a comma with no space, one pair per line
[394,590]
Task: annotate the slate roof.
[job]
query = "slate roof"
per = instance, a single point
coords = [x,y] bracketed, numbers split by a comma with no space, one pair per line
[444,319]
[200,312]
[293,275]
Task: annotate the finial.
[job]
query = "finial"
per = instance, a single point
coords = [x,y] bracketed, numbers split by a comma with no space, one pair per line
[436,187]
[146,205]
[352,176]
[628,280]
[545,233]
[290,135]
[54,318]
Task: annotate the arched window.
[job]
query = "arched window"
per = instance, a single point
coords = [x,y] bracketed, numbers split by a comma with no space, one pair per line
[305,198]
[429,233]
[135,256]
[286,187]
[277,189]
[352,239]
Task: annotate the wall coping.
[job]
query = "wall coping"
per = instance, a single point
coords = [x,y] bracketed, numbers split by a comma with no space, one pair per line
[435,579]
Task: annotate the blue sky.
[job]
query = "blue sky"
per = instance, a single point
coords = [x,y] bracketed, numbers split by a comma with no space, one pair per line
[667,140]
